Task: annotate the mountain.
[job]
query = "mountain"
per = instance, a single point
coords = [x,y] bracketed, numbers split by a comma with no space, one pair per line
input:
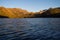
[12,12]
[20,13]
[52,12]
[48,13]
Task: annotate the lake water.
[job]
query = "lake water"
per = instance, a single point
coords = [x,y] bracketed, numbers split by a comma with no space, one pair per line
[30,29]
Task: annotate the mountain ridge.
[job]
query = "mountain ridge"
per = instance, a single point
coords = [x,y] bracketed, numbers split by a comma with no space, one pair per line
[21,13]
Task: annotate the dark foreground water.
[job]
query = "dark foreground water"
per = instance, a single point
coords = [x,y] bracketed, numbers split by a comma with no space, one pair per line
[30,29]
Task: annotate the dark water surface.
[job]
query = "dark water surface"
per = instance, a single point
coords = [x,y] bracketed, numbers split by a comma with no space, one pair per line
[30,29]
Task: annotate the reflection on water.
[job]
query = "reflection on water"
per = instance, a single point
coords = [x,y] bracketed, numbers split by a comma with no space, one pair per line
[30,29]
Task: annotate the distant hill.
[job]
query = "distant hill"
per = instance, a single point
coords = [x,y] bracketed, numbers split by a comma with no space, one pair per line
[12,12]
[51,12]
[20,13]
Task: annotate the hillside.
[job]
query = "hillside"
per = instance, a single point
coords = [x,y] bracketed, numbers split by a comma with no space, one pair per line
[12,12]
[20,13]
[52,12]
[49,13]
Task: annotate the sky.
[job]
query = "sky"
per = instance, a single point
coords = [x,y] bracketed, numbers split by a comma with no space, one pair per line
[30,5]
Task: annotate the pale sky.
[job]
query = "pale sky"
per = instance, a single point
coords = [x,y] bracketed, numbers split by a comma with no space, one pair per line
[30,5]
